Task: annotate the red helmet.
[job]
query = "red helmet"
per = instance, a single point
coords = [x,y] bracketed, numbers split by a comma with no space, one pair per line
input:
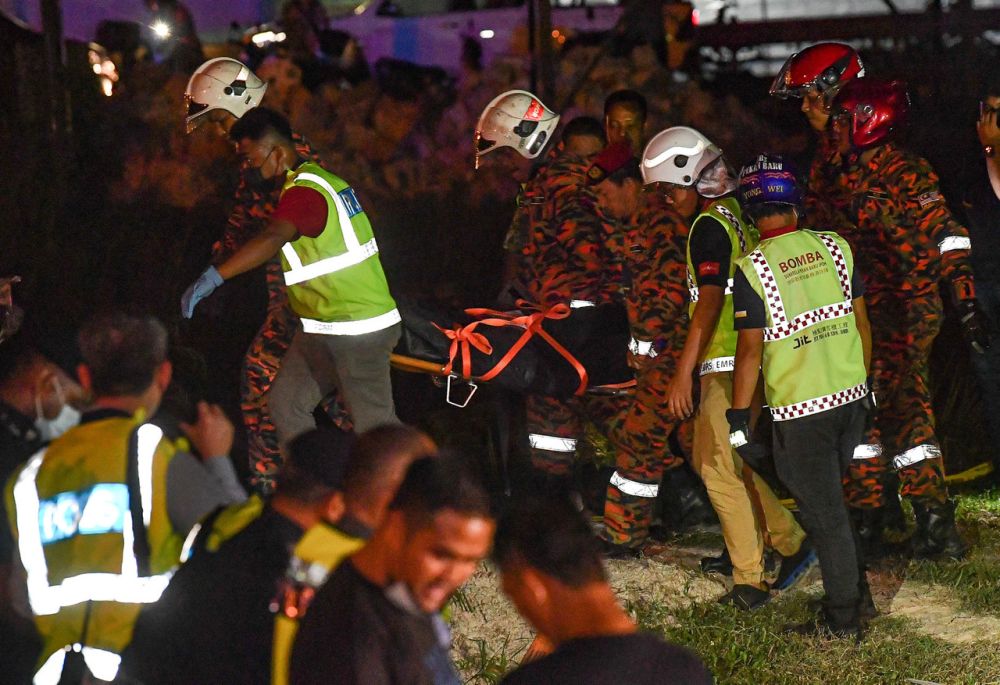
[824,66]
[875,110]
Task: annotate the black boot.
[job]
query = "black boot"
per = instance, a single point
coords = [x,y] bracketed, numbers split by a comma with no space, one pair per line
[894,517]
[721,564]
[868,524]
[936,535]
[685,502]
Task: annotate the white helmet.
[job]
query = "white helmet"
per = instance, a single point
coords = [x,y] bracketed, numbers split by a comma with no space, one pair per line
[677,155]
[221,83]
[515,119]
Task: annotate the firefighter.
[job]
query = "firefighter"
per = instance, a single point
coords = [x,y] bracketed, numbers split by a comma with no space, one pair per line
[565,263]
[349,323]
[816,74]
[538,201]
[800,315]
[907,243]
[218,93]
[99,515]
[694,176]
[654,262]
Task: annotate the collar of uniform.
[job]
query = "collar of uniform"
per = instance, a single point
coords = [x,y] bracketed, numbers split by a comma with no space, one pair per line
[775,232]
[351,527]
[104,413]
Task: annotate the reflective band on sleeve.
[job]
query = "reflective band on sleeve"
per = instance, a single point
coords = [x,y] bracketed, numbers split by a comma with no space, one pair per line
[693,290]
[641,348]
[916,454]
[376,323]
[717,365]
[298,273]
[551,443]
[819,404]
[634,488]
[955,242]
[868,451]
[580,304]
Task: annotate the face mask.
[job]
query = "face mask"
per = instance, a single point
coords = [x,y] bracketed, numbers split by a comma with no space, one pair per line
[255,178]
[68,417]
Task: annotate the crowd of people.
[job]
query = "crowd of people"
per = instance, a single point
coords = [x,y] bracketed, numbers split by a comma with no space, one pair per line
[780,331]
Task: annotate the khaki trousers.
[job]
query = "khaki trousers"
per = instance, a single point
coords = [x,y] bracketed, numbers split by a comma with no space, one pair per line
[748,510]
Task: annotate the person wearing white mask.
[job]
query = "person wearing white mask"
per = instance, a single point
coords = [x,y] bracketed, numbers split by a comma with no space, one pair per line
[35,407]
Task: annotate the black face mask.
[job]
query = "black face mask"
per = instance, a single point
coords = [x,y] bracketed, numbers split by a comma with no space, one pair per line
[255,179]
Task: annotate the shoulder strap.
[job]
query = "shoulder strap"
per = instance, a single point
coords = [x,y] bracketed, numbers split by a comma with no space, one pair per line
[140,545]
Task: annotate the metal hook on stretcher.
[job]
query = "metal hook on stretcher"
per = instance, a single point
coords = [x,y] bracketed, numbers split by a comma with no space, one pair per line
[472,391]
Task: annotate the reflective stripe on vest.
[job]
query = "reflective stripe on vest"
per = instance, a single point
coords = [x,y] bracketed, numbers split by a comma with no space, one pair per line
[955,242]
[916,454]
[376,323]
[551,443]
[781,327]
[634,487]
[717,365]
[693,289]
[102,664]
[641,348]
[102,515]
[818,404]
[355,254]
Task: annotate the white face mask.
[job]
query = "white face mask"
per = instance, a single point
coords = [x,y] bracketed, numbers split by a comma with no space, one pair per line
[50,429]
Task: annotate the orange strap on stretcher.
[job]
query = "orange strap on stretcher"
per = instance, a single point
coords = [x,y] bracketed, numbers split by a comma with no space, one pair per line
[464,337]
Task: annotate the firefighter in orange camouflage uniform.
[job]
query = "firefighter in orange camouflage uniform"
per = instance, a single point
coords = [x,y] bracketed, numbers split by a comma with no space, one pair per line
[907,244]
[218,93]
[654,239]
[563,260]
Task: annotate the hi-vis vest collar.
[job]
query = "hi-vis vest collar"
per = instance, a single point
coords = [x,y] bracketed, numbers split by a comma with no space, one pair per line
[356,252]
[783,327]
[103,508]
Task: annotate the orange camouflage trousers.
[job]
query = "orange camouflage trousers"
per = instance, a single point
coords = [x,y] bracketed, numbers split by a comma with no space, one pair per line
[902,436]
[638,430]
[263,358]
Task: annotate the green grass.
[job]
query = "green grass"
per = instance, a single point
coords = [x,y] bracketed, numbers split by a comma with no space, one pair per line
[975,581]
[743,649]
[751,649]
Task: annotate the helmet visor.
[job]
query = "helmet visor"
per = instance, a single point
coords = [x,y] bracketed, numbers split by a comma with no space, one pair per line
[194,110]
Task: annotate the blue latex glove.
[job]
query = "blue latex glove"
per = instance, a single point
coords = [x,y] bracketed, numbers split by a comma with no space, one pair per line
[199,290]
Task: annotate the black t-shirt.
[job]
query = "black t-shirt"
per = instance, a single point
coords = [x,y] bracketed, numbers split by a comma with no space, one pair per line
[710,252]
[750,311]
[213,623]
[357,633]
[636,659]
[982,211]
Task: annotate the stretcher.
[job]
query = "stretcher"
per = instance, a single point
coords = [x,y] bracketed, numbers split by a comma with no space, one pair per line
[558,351]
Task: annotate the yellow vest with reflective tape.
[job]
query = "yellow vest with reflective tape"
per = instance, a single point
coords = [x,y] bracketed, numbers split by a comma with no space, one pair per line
[70,515]
[721,351]
[320,550]
[335,281]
